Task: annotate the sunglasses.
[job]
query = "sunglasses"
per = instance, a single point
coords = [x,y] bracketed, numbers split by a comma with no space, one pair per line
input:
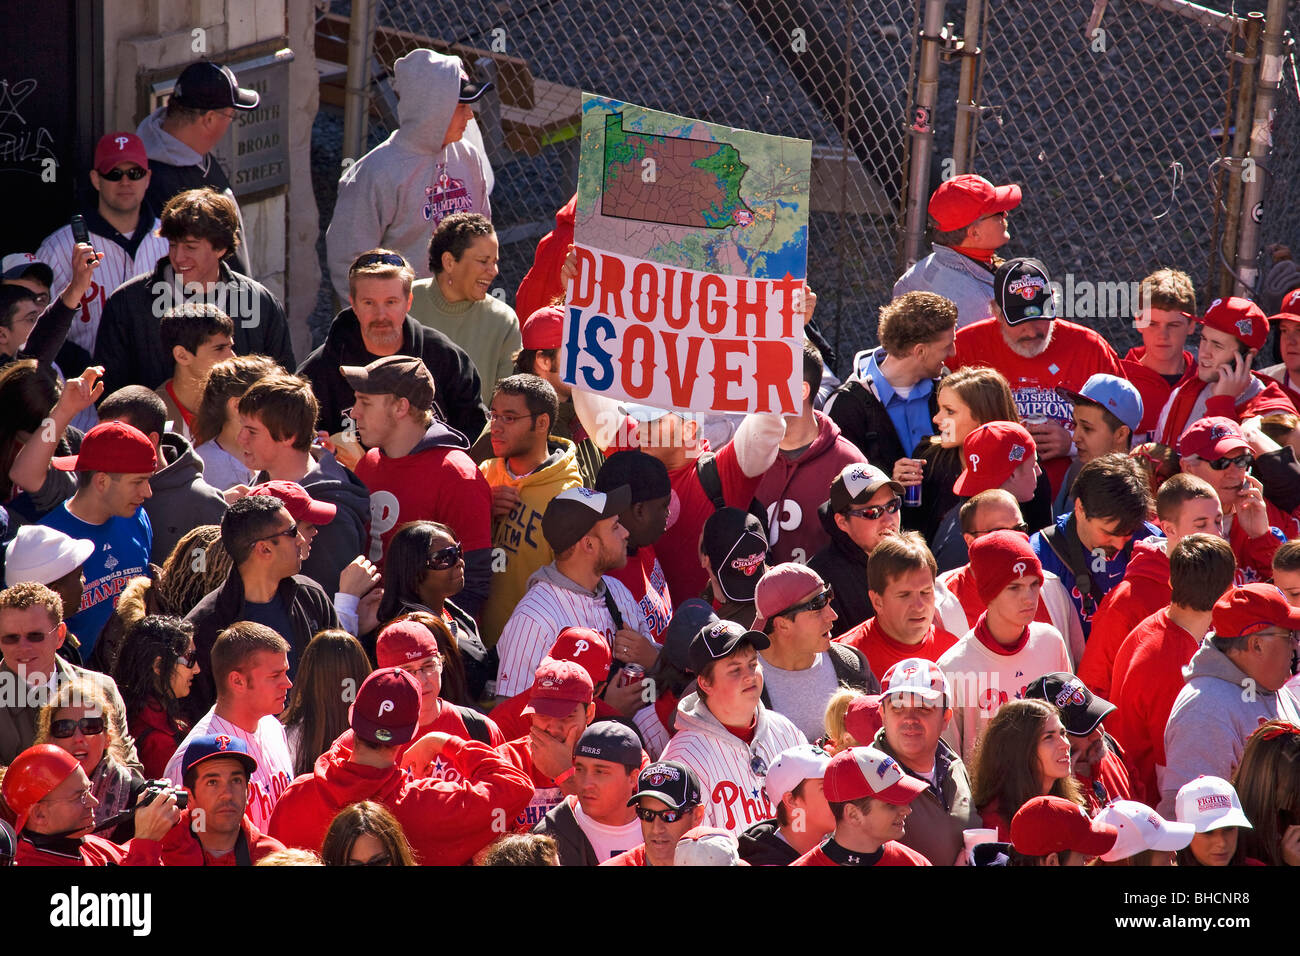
[90,726]
[812,604]
[1019,526]
[188,659]
[289,532]
[873,512]
[33,637]
[383,859]
[445,559]
[667,816]
[135,174]
[1244,460]
[376,258]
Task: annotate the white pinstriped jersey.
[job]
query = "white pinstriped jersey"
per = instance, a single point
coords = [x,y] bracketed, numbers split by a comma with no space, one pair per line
[728,768]
[115,268]
[269,747]
[546,609]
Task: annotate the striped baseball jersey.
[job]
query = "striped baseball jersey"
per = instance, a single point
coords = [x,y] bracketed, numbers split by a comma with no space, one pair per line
[267,746]
[731,772]
[124,258]
[552,603]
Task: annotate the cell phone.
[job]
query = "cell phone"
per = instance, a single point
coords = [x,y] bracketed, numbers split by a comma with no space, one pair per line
[79,231]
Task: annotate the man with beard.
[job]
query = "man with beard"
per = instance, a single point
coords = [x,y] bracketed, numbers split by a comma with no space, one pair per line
[1039,354]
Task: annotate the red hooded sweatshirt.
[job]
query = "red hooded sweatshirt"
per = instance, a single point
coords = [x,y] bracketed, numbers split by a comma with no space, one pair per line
[541,286]
[156,737]
[37,850]
[1151,385]
[794,488]
[180,847]
[1144,590]
[446,823]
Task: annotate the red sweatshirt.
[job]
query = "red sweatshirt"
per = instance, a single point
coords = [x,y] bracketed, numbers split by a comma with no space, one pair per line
[883,652]
[1151,385]
[156,737]
[86,851]
[447,722]
[794,488]
[1147,677]
[180,847]
[1182,402]
[446,823]
[1144,590]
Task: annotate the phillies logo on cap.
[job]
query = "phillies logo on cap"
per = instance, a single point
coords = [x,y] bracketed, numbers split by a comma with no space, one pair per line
[1244,327]
[1071,693]
[1215,801]
[659,775]
[859,474]
[121,142]
[1027,287]
[909,670]
[580,646]
[223,742]
[1017,453]
[748,565]
[1018,568]
[974,462]
[385,707]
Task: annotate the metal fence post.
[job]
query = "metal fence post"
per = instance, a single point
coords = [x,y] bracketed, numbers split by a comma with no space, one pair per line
[356,108]
[967,108]
[922,130]
[1261,139]
[1244,64]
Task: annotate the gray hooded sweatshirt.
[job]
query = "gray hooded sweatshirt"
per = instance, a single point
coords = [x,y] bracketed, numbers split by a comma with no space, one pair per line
[1218,708]
[181,499]
[394,196]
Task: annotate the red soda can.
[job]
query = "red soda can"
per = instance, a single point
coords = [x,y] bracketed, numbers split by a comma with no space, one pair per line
[631,674]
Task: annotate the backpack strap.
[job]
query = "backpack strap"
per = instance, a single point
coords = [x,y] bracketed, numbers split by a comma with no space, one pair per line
[706,469]
[475,724]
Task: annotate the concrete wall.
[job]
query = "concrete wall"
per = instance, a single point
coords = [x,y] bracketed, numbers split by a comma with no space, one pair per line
[141,35]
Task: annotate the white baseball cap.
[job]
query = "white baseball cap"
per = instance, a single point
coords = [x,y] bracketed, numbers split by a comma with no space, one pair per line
[707,846]
[1141,828]
[1210,803]
[792,767]
[43,555]
[918,677]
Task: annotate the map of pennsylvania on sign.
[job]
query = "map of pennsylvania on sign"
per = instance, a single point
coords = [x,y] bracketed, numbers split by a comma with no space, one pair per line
[691,194]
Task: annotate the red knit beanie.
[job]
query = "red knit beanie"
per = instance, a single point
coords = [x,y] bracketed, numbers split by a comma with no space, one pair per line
[998,558]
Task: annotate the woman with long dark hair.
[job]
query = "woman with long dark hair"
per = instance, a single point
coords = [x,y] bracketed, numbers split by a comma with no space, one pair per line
[423,570]
[154,671]
[366,834]
[318,710]
[1023,753]
[1268,782]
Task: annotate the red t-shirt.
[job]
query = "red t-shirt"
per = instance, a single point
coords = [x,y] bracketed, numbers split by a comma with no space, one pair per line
[644,577]
[883,652]
[1075,354]
[437,484]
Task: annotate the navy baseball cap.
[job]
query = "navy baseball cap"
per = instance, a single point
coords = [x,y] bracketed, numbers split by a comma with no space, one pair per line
[217,745]
[645,475]
[691,615]
[612,741]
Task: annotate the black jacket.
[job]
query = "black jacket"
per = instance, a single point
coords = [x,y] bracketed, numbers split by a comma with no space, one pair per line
[562,826]
[843,565]
[761,846]
[131,351]
[309,607]
[455,380]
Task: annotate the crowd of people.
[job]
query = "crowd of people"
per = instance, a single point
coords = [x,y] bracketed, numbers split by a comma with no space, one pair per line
[999,597]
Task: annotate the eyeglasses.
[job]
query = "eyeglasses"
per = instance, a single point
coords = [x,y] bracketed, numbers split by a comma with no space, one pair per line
[1244,460]
[377,258]
[667,816]
[33,637]
[1018,526]
[84,798]
[873,512]
[444,559]
[90,726]
[383,859]
[507,420]
[433,666]
[289,532]
[995,215]
[812,604]
[135,174]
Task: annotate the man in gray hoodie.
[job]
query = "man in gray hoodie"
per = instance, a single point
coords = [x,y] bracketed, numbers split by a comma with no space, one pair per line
[395,195]
[1235,682]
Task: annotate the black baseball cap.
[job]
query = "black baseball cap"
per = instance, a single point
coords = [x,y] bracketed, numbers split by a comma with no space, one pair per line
[1081,709]
[737,551]
[210,86]
[612,741]
[669,782]
[471,91]
[645,475]
[685,623]
[1023,291]
[574,512]
[716,641]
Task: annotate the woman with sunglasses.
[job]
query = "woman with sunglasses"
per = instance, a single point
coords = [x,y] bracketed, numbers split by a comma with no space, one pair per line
[1268,782]
[155,670]
[366,834]
[423,570]
[77,721]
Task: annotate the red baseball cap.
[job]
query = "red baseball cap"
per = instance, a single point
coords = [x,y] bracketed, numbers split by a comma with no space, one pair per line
[557,687]
[1000,557]
[1253,607]
[1238,317]
[862,719]
[867,772]
[1290,308]
[991,454]
[963,199]
[781,587]
[403,642]
[586,648]
[120,147]
[297,501]
[1211,438]
[1046,825]
[387,708]
[542,329]
[114,447]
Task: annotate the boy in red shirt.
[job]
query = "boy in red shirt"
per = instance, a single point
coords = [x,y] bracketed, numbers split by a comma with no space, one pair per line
[900,581]
[870,797]
[1148,670]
